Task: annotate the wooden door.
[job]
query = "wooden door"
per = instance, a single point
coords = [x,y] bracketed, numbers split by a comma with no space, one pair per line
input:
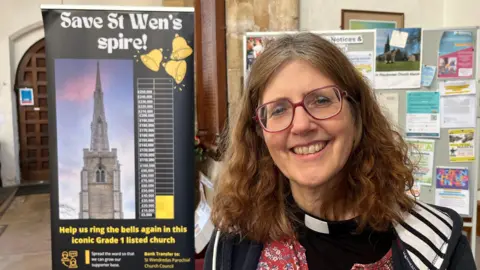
[33,120]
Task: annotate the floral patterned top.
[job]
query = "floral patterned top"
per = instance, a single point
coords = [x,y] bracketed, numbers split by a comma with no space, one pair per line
[290,255]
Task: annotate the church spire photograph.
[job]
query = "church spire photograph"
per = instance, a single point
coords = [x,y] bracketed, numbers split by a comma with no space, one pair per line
[100,197]
[99,137]
[94,132]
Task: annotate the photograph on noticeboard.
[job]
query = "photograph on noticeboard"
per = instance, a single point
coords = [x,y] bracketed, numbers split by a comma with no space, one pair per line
[398,58]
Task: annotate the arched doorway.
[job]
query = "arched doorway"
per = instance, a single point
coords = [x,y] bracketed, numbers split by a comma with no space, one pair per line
[33,120]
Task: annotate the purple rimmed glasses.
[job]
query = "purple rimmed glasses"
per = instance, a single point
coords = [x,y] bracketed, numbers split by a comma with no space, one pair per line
[321,103]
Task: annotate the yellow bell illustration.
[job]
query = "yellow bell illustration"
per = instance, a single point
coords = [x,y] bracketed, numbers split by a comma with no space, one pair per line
[180,48]
[176,69]
[152,59]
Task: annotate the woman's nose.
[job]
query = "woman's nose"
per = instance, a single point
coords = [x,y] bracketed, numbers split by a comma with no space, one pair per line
[301,122]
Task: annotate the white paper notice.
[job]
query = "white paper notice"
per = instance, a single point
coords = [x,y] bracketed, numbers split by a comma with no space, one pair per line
[459,111]
[389,104]
[399,39]
[203,226]
[206,181]
[363,62]
[452,189]
[458,200]
[449,88]
[423,125]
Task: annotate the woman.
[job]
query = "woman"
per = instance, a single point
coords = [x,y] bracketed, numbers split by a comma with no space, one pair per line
[315,177]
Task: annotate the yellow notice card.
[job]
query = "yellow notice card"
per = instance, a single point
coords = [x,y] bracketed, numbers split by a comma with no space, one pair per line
[461,145]
[449,88]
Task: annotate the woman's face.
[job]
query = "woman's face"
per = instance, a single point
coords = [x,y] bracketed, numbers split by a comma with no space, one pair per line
[330,140]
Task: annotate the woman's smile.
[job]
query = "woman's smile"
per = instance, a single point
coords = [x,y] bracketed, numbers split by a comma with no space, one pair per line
[310,151]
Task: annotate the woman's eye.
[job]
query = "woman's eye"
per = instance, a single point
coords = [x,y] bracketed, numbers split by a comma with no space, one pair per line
[322,100]
[277,110]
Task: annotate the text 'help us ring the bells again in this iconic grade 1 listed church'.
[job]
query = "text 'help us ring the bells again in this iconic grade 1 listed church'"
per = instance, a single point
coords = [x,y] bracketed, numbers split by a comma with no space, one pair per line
[121,118]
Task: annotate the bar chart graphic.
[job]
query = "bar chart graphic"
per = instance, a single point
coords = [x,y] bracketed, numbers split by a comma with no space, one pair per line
[155,118]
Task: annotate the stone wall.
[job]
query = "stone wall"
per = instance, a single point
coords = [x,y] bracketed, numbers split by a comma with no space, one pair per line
[178,3]
[253,16]
[101,202]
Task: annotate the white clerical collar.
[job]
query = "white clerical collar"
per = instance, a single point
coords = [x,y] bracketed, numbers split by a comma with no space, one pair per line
[316,224]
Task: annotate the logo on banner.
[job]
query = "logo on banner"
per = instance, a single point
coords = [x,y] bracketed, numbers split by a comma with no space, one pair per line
[176,67]
[69,259]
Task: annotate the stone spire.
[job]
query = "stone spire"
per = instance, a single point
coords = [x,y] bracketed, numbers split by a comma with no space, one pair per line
[99,127]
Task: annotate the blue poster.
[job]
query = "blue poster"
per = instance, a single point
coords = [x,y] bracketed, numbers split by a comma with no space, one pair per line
[423,111]
[428,73]
[26,96]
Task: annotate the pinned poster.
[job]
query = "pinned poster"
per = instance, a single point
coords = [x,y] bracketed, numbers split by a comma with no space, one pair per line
[455,54]
[458,106]
[121,82]
[26,96]
[398,58]
[423,109]
[458,111]
[428,73]
[461,145]
[363,62]
[254,45]
[452,189]
[421,153]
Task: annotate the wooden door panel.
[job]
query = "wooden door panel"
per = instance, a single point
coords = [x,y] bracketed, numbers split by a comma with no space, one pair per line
[33,120]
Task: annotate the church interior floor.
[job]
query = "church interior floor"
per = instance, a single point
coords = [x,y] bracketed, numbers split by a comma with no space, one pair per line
[6,195]
[25,234]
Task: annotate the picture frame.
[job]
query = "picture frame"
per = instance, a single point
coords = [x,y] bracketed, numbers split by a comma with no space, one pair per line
[365,19]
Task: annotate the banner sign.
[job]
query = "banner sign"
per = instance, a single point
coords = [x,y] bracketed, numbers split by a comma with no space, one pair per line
[121,117]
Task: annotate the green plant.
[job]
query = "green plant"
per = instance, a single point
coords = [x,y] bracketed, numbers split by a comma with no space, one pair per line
[200,151]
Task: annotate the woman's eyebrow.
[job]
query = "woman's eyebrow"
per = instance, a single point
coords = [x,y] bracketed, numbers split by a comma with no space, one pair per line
[276,99]
[304,93]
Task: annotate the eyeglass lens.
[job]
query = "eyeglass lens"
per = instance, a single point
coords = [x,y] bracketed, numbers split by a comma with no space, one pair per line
[320,104]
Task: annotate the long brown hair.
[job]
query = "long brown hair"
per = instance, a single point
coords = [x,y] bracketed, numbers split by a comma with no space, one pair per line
[251,191]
